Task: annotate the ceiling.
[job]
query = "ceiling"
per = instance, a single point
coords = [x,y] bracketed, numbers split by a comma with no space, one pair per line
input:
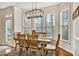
[27,5]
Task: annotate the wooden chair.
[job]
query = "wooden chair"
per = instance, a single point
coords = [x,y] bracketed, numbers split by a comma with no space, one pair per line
[33,43]
[22,42]
[43,34]
[53,48]
[34,32]
[15,38]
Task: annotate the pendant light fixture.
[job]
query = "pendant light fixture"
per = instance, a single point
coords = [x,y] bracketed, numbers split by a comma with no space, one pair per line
[35,12]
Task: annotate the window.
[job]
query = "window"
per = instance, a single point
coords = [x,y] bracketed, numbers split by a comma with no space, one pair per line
[64,24]
[27,25]
[9,29]
[49,25]
[38,24]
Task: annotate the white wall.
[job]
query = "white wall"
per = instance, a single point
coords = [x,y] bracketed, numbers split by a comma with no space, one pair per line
[76,36]
[67,45]
[17,19]
[3,13]
[75,31]
[75,5]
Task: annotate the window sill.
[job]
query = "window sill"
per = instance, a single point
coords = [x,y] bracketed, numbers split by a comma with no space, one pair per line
[67,41]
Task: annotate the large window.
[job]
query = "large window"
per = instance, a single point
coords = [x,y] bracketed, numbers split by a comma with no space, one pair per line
[9,29]
[27,25]
[46,24]
[38,24]
[64,26]
[49,25]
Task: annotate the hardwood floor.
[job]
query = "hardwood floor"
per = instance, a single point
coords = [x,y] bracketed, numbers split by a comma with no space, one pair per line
[10,51]
[63,52]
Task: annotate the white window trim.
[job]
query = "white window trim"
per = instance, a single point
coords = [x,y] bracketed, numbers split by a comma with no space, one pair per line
[26,26]
[61,28]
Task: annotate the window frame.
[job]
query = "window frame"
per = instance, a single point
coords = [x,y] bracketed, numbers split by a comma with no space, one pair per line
[43,26]
[53,24]
[35,23]
[9,17]
[67,9]
[26,26]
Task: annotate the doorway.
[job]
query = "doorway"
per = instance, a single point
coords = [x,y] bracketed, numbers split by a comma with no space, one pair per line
[9,31]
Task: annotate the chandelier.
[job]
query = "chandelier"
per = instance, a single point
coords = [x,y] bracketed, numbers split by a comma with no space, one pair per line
[35,12]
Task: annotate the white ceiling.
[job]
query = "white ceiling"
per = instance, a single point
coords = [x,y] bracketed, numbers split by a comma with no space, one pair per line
[27,5]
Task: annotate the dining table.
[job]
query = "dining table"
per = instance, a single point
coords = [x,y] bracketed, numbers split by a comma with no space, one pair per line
[43,41]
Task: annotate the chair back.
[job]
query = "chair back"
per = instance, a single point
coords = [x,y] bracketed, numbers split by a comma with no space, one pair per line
[15,34]
[57,42]
[33,43]
[21,40]
[43,34]
[21,36]
[33,40]
[28,38]
[34,32]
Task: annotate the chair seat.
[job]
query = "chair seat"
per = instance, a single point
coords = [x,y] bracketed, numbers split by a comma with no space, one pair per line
[49,46]
[33,47]
[39,46]
[34,50]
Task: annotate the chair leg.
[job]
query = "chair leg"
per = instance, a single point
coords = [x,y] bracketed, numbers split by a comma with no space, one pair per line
[45,52]
[56,52]
[29,52]
[26,51]
[20,51]
[15,47]
[37,52]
